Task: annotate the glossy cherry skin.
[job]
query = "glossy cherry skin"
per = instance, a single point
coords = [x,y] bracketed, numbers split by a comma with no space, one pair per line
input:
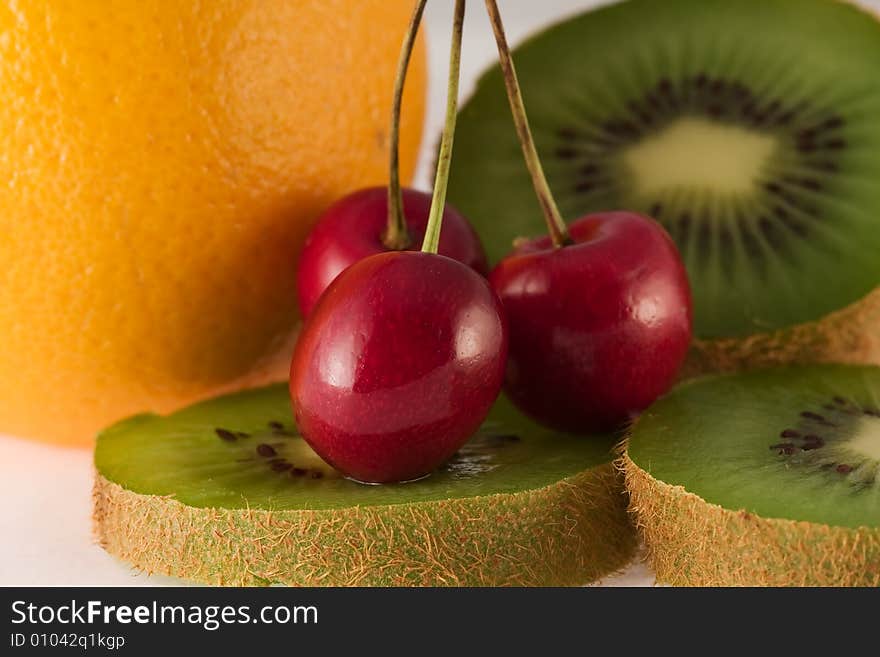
[398,365]
[598,329]
[353,228]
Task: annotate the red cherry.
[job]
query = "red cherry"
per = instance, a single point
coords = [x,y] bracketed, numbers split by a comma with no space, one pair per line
[398,365]
[353,228]
[598,329]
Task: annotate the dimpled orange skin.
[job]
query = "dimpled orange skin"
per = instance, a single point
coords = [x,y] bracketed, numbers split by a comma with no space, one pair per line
[160,166]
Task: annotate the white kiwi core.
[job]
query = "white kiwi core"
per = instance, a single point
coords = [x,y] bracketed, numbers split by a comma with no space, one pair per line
[866,440]
[694,154]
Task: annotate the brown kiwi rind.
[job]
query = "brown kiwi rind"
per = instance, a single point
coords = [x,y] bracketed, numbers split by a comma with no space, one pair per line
[850,336]
[581,533]
[691,542]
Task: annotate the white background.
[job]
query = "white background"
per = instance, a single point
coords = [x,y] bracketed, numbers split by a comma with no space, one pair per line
[45,492]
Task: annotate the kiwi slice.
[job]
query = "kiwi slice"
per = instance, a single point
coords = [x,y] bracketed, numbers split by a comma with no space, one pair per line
[227,492]
[765,478]
[748,128]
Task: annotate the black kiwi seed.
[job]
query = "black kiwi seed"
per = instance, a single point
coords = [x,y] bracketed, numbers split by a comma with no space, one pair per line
[751,245]
[785,118]
[266,450]
[684,228]
[704,239]
[275,425]
[796,226]
[589,170]
[653,101]
[298,472]
[282,466]
[790,433]
[807,147]
[848,407]
[726,238]
[773,107]
[566,153]
[226,434]
[809,415]
[843,468]
[728,252]
[824,165]
[621,129]
[740,91]
[771,233]
[807,134]
[636,109]
[833,123]
[812,442]
[811,184]
[760,119]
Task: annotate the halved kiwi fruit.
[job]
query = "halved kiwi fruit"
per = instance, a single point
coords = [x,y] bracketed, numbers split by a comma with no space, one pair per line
[226,492]
[764,478]
[748,128]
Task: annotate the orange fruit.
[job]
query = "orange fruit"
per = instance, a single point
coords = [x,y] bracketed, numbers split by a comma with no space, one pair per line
[162,163]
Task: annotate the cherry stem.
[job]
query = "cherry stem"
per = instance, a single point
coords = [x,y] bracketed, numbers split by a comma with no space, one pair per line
[438,201]
[396,236]
[555,225]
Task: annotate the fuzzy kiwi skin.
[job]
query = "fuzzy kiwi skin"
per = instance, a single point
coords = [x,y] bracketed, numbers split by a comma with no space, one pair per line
[569,533]
[850,335]
[691,542]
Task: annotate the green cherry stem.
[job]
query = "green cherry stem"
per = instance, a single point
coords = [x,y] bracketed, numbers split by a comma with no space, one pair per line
[438,201]
[555,225]
[396,236]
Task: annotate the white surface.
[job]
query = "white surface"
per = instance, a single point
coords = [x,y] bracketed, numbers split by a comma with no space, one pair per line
[45,530]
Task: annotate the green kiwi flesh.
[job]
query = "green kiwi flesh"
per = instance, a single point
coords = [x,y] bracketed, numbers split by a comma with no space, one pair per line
[776,469]
[517,505]
[748,128]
